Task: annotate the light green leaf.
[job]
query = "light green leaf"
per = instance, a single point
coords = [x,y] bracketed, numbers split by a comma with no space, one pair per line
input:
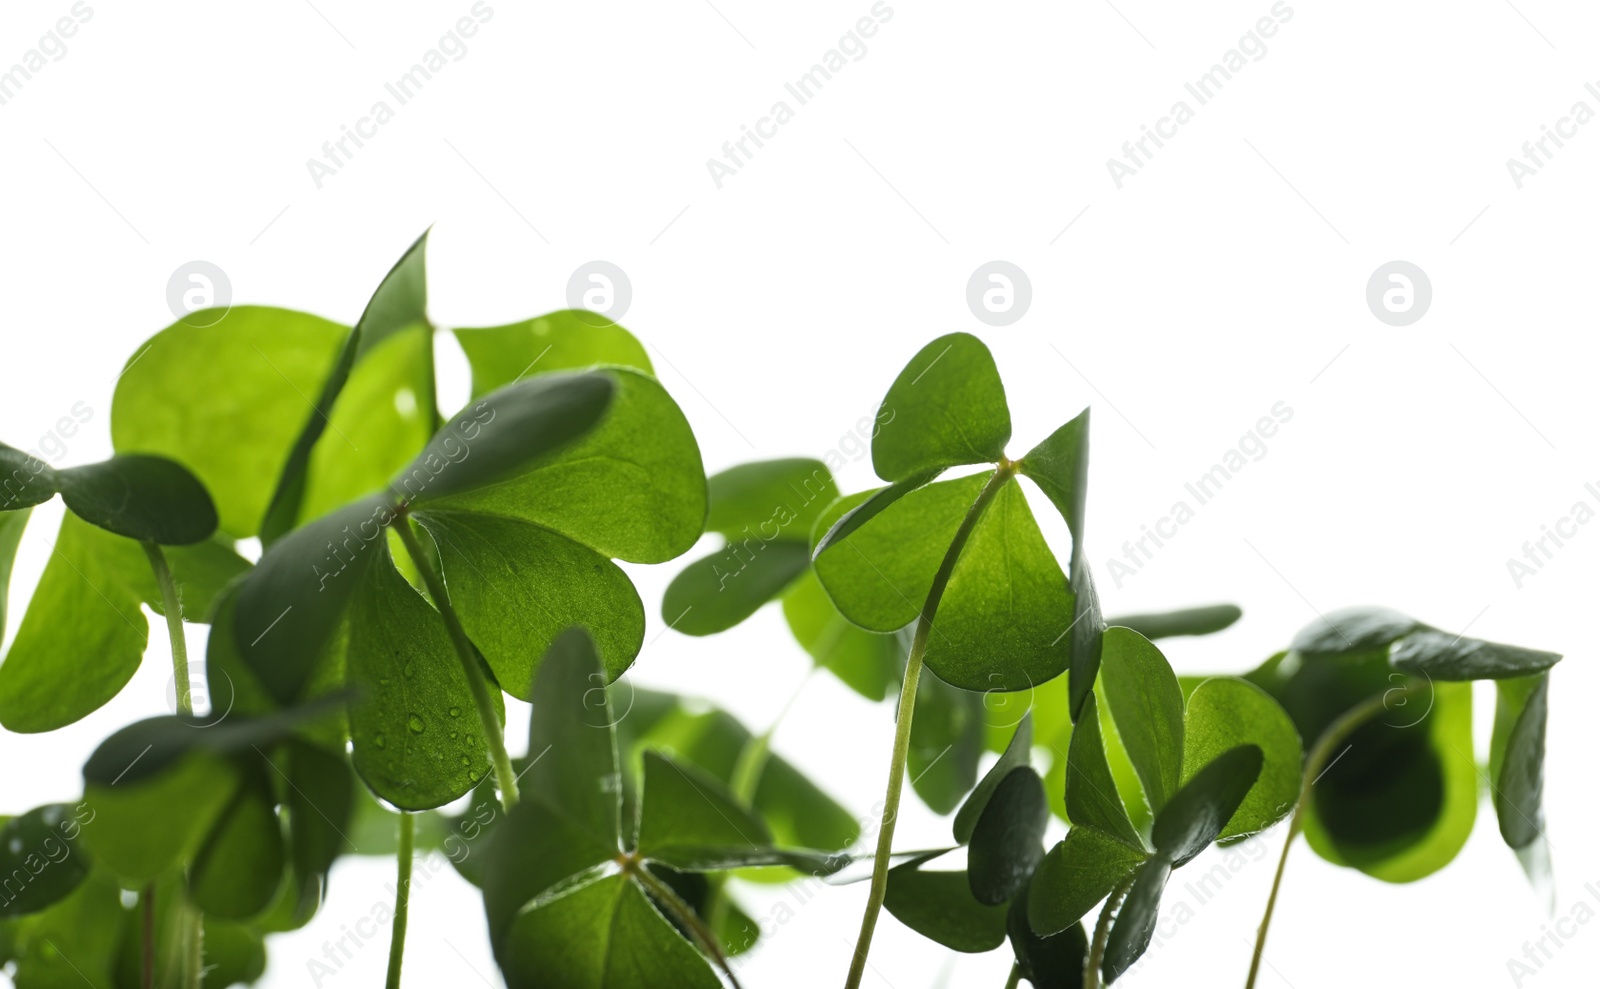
[770,499]
[1006,844]
[517,586]
[1225,712]
[940,906]
[717,592]
[1017,753]
[946,408]
[1184,621]
[143,497]
[72,942]
[880,574]
[1092,797]
[1001,624]
[633,488]
[853,511]
[12,524]
[689,820]
[570,339]
[1197,813]
[238,868]
[866,662]
[1147,705]
[142,827]
[946,742]
[1442,656]
[416,739]
[1077,873]
[193,390]
[1516,757]
[1060,466]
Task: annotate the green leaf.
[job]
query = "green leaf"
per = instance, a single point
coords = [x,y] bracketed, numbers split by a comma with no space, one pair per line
[321,803]
[500,438]
[151,499]
[1080,871]
[1001,622]
[237,870]
[853,511]
[717,592]
[575,717]
[866,662]
[1054,962]
[946,743]
[73,942]
[1184,621]
[880,574]
[1352,630]
[517,586]
[940,906]
[416,740]
[570,339]
[234,954]
[633,488]
[1092,797]
[690,821]
[12,524]
[769,499]
[145,749]
[1060,466]
[1147,705]
[1516,757]
[192,391]
[41,849]
[28,480]
[1016,754]
[1442,656]
[555,947]
[1006,844]
[1225,712]
[1136,920]
[1087,637]
[139,827]
[1198,812]
[946,408]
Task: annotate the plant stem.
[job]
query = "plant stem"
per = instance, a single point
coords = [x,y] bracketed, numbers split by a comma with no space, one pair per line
[147,936]
[402,898]
[194,966]
[902,722]
[1016,976]
[1096,959]
[685,914]
[173,610]
[468,655]
[1317,762]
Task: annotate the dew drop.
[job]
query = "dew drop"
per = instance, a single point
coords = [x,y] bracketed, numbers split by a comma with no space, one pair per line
[378,740]
[455,712]
[415,724]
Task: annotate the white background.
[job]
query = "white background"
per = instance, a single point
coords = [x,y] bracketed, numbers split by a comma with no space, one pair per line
[1224,277]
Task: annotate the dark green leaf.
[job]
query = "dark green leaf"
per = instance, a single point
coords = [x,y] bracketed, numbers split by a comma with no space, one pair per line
[193,390]
[1054,962]
[1001,622]
[1147,705]
[867,662]
[1351,630]
[769,499]
[1079,872]
[25,480]
[1225,712]
[1442,656]
[517,586]
[717,592]
[1516,757]
[946,408]
[41,860]
[147,748]
[1092,797]
[1016,754]
[1198,812]
[633,488]
[320,800]
[151,499]
[1088,631]
[946,742]
[1006,844]
[1060,466]
[417,741]
[238,868]
[575,717]
[940,906]
[1184,621]
[1136,921]
[567,340]
[139,827]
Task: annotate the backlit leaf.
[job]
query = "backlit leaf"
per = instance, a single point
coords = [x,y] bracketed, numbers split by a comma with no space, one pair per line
[1077,873]
[717,592]
[1225,712]
[570,339]
[946,408]
[42,847]
[1092,797]
[865,661]
[1060,466]
[1017,753]
[1147,705]
[946,743]
[1516,757]
[1184,621]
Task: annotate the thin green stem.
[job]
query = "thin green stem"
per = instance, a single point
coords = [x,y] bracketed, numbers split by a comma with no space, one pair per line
[1096,958]
[685,915]
[468,655]
[194,964]
[902,722]
[173,610]
[402,898]
[147,936]
[1015,977]
[1317,762]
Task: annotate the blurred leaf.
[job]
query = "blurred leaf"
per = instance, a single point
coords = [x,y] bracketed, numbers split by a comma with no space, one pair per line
[142,827]
[234,954]
[1442,656]
[946,743]
[569,339]
[866,662]
[320,799]
[73,941]
[1197,813]
[1077,873]
[1006,844]
[1091,794]
[786,495]
[147,748]
[946,408]
[1147,705]
[940,906]
[28,480]
[1184,621]
[12,524]
[1017,753]
[1516,757]
[237,870]
[717,592]
[1225,712]
[151,499]
[259,367]
[1352,630]
[1060,466]
[41,860]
